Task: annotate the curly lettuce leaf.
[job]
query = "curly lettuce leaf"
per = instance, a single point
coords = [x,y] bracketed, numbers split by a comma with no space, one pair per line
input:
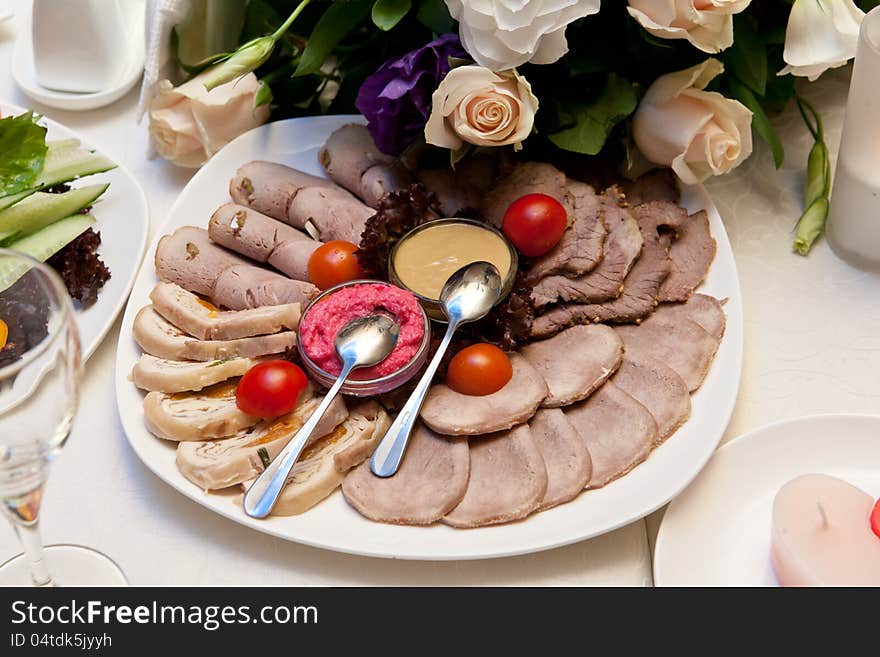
[22,152]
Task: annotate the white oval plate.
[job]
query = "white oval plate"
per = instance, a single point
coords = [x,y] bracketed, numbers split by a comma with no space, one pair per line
[123,219]
[333,524]
[717,532]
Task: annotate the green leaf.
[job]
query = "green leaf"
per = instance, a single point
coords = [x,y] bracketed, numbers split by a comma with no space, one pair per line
[593,121]
[747,57]
[340,19]
[760,121]
[388,13]
[22,152]
[434,14]
[263,95]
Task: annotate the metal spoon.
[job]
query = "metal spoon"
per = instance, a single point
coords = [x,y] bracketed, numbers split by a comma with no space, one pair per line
[467,296]
[361,342]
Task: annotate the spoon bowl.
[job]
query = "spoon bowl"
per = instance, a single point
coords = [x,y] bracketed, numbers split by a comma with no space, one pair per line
[367,340]
[470,293]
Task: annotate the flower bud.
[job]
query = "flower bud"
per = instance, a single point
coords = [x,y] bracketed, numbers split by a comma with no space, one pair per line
[244,60]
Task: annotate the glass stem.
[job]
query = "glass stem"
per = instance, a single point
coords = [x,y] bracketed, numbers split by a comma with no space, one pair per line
[29,535]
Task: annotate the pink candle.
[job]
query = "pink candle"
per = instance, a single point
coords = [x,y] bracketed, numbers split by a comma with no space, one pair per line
[822,534]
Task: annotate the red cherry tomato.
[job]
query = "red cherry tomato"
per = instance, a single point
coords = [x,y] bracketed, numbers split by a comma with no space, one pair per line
[270,389]
[334,263]
[480,369]
[535,223]
[875,519]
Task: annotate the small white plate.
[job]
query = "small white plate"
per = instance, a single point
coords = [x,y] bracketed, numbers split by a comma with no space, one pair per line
[123,220]
[25,76]
[717,532]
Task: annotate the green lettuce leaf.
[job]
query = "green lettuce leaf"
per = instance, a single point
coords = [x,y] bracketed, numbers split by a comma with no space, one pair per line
[22,152]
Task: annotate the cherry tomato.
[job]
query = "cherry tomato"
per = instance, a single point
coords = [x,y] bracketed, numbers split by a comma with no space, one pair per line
[334,263]
[535,223]
[875,519]
[480,369]
[270,388]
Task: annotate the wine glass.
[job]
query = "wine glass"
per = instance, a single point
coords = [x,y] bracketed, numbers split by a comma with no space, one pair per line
[40,368]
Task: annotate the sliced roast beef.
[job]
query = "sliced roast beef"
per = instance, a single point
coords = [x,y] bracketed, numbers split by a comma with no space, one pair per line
[526,178]
[622,246]
[575,362]
[454,414]
[300,199]
[507,480]
[681,344]
[261,238]
[352,160]
[658,388]
[462,188]
[190,259]
[692,254]
[565,455]
[580,248]
[640,288]
[656,185]
[617,430]
[700,308]
[431,481]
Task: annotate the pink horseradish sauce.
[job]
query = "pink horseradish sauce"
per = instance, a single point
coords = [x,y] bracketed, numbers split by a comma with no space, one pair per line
[325,319]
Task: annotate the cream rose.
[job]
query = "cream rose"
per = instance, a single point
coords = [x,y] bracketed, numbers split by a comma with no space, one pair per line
[475,105]
[707,24]
[821,34]
[188,124]
[503,34]
[696,132]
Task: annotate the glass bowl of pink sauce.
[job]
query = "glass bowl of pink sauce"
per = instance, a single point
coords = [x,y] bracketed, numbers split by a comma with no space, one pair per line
[325,316]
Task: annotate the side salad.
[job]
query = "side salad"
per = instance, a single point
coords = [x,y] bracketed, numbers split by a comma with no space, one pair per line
[41,215]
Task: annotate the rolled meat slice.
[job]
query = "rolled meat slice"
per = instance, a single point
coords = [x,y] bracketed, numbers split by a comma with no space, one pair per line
[575,362]
[658,388]
[700,308]
[351,159]
[431,481]
[190,259]
[692,254]
[262,238]
[206,415]
[565,455]
[151,373]
[507,480]
[454,414]
[300,199]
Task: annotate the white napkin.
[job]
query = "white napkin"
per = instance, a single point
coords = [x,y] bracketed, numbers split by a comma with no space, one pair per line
[162,16]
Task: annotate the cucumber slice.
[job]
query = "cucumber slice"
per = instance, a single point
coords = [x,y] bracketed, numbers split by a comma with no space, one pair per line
[69,164]
[42,209]
[59,145]
[12,199]
[42,245]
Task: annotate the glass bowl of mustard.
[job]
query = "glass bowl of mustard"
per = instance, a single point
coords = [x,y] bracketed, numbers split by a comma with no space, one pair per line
[425,257]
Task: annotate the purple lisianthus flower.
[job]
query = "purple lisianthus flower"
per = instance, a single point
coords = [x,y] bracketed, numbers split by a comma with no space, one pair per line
[396,99]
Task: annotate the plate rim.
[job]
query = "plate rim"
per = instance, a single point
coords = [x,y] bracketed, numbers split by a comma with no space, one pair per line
[231,511]
[737,443]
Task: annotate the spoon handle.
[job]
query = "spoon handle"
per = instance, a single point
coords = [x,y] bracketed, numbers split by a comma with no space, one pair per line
[389,453]
[261,496]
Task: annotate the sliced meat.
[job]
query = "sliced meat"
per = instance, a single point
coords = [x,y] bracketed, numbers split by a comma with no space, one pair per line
[617,430]
[580,248]
[692,254]
[656,185]
[301,200]
[700,308]
[575,362]
[658,388]
[431,481]
[151,373]
[640,288]
[158,337]
[262,238]
[681,344]
[454,414]
[352,160]
[565,455]
[526,178]
[204,321]
[622,246]
[462,188]
[507,480]
[216,464]
[317,472]
[190,259]
[209,414]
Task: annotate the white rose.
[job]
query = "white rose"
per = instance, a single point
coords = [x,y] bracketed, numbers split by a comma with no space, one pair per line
[500,34]
[821,34]
[188,124]
[696,132]
[475,105]
[707,24]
